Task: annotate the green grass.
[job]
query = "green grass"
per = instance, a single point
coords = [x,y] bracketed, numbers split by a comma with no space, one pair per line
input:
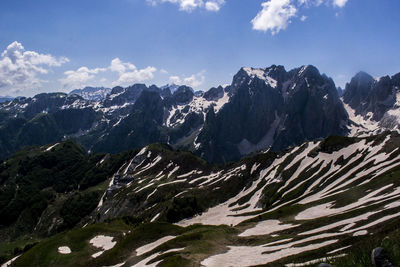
[9,250]
[335,143]
[198,242]
[46,252]
[360,254]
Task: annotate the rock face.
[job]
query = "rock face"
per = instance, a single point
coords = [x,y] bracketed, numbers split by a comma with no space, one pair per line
[375,100]
[272,108]
[92,93]
[214,93]
[357,91]
[139,128]
[43,119]
[263,109]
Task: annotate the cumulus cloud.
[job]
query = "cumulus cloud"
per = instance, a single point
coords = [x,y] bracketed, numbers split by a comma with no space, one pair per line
[274,16]
[80,77]
[213,5]
[19,69]
[118,66]
[339,3]
[193,81]
[190,5]
[127,73]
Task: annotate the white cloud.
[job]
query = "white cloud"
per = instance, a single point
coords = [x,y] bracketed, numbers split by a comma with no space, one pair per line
[190,5]
[19,69]
[175,80]
[193,81]
[118,66]
[80,77]
[274,16]
[214,5]
[128,73]
[136,76]
[336,3]
[311,2]
[339,3]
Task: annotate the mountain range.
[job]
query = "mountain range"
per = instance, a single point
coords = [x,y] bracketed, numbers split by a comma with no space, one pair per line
[280,168]
[262,109]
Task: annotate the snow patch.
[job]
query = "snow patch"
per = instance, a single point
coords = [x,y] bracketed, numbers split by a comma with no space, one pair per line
[267,227]
[50,147]
[8,263]
[144,263]
[149,247]
[64,250]
[360,233]
[155,217]
[250,256]
[262,75]
[103,242]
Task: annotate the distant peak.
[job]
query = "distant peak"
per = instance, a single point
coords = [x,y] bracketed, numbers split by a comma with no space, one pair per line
[259,72]
[262,74]
[307,69]
[171,86]
[362,78]
[363,75]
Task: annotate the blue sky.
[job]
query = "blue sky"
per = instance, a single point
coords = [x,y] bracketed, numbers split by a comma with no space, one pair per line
[61,45]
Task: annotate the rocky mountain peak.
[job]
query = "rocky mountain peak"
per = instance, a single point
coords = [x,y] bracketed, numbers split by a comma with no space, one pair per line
[184,94]
[372,98]
[92,93]
[171,87]
[308,71]
[117,90]
[357,91]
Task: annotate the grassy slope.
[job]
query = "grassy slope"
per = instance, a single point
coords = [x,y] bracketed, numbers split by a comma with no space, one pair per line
[68,176]
[202,241]
[198,241]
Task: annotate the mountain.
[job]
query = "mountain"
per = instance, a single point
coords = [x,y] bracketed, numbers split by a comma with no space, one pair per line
[104,125]
[164,207]
[373,104]
[92,93]
[5,98]
[43,119]
[171,87]
[262,109]
[272,109]
[42,184]
[340,91]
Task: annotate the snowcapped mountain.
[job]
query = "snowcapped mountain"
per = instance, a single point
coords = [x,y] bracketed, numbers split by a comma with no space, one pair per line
[373,104]
[272,109]
[92,93]
[171,87]
[6,98]
[262,109]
